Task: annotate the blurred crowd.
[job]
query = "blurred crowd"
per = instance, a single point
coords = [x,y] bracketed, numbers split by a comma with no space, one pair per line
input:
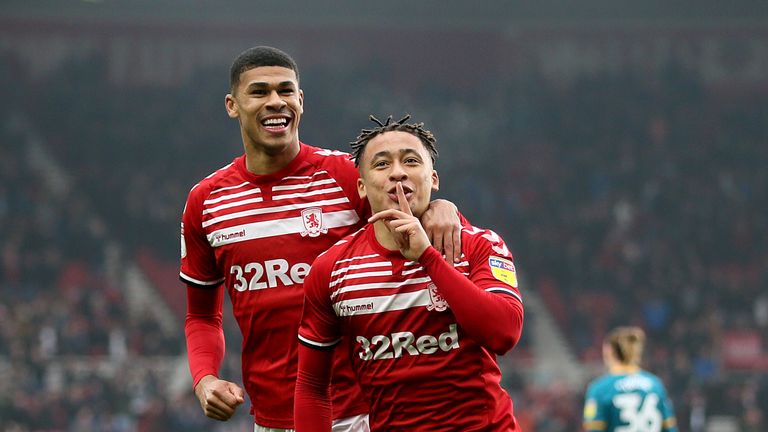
[73,357]
[642,202]
[627,198]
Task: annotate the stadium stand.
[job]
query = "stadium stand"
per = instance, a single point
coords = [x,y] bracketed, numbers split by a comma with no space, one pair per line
[628,197]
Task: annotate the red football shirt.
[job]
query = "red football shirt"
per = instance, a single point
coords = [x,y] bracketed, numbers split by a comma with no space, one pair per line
[258,234]
[413,361]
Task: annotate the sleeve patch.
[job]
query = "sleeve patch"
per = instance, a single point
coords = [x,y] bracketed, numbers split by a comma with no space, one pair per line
[503,270]
[590,410]
[183,243]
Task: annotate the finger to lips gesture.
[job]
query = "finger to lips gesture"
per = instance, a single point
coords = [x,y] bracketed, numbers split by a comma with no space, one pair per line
[404,226]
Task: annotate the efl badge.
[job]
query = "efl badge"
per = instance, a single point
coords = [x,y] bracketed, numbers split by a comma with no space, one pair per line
[313,222]
[436,301]
[503,270]
[183,243]
[590,409]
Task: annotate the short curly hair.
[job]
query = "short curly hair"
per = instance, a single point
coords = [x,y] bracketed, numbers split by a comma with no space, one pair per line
[416,129]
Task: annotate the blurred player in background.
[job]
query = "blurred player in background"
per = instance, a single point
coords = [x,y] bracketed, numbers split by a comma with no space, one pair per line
[627,398]
[253,228]
[422,335]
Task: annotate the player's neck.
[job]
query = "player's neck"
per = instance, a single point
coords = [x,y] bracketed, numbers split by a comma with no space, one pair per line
[620,369]
[263,161]
[384,236]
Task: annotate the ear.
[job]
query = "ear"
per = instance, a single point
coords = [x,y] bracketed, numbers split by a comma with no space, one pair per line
[361,188]
[435,181]
[231,105]
[301,100]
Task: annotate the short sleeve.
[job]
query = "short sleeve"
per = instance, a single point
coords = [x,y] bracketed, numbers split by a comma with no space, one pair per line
[198,260]
[594,411]
[319,327]
[667,411]
[491,263]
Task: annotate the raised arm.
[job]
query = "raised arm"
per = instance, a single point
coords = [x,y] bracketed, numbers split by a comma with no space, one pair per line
[493,315]
[493,319]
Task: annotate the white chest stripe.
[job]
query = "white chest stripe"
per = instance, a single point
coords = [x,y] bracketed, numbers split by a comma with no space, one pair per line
[267,210]
[379,304]
[359,276]
[231,196]
[379,285]
[232,204]
[277,227]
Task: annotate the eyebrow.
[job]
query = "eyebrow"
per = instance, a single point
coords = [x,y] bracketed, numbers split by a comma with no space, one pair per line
[387,153]
[262,84]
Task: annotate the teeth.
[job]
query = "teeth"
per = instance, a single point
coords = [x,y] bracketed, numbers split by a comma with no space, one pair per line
[275,121]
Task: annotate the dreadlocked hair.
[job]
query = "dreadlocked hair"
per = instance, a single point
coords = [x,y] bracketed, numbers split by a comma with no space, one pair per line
[416,129]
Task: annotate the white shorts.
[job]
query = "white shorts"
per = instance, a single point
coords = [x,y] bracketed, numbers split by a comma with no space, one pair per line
[259,428]
[358,423]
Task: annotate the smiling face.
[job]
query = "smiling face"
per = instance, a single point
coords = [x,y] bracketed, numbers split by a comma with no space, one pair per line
[268,103]
[393,157]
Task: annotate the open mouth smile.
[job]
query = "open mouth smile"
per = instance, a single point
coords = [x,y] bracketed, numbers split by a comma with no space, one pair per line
[276,124]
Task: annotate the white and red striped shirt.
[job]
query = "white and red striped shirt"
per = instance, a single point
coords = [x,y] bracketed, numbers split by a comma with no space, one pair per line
[258,234]
[414,361]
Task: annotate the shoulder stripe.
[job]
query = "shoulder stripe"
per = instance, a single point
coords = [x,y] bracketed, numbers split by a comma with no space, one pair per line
[231,196]
[218,171]
[305,177]
[349,276]
[228,188]
[361,266]
[306,194]
[341,242]
[232,204]
[505,291]
[211,175]
[472,230]
[412,271]
[326,152]
[357,257]
[303,185]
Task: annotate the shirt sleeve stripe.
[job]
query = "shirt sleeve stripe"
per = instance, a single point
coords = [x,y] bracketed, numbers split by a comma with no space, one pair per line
[193,281]
[505,291]
[318,345]
[595,425]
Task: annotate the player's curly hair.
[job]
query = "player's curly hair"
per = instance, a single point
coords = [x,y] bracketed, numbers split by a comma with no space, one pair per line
[416,129]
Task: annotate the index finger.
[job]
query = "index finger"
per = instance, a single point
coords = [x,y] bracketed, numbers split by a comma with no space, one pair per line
[402,200]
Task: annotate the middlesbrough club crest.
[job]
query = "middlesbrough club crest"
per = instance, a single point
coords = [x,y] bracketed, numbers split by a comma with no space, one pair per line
[436,301]
[313,222]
